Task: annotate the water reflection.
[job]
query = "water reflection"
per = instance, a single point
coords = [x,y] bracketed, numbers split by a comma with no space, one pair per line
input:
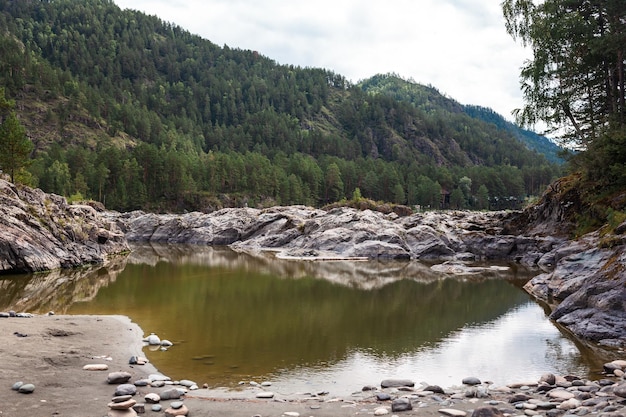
[239,317]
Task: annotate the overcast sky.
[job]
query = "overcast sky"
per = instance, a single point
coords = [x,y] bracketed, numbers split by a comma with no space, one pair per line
[458,46]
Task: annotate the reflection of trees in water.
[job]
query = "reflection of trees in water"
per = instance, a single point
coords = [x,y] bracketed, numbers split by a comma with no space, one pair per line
[57,290]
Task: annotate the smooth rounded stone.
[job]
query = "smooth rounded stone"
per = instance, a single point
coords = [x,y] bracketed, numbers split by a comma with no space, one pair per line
[156,408]
[471,380]
[436,389]
[560,394]
[582,411]
[166,343]
[531,412]
[383,396]
[158,377]
[122,413]
[396,383]
[570,404]
[549,379]
[453,412]
[381,411]
[546,405]
[152,398]
[157,384]
[194,387]
[255,384]
[620,373]
[142,382]
[124,405]
[519,398]
[182,411]
[139,408]
[17,385]
[121,398]
[176,404]
[265,394]
[4,315]
[620,390]
[555,412]
[578,383]
[132,360]
[621,363]
[604,382]
[125,389]
[545,388]
[487,412]
[401,404]
[266,384]
[186,383]
[26,388]
[153,340]
[529,406]
[369,388]
[291,414]
[170,394]
[119,377]
[96,367]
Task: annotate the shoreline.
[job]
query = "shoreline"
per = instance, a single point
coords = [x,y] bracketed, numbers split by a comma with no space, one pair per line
[50,351]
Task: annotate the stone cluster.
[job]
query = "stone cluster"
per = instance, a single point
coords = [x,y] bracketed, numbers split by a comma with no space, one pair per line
[550,396]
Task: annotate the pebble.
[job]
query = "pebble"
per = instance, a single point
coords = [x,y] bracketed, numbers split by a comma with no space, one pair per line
[561,394]
[166,343]
[452,412]
[176,405]
[173,412]
[186,383]
[139,408]
[121,398]
[171,394]
[265,394]
[156,408]
[152,398]
[26,388]
[383,396]
[96,367]
[395,383]
[291,414]
[471,380]
[122,413]
[382,411]
[153,339]
[17,385]
[124,405]
[401,404]
[118,377]
[126,389]
[142,382]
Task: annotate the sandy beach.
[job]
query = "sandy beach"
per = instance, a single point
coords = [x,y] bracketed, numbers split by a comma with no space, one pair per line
[51,351]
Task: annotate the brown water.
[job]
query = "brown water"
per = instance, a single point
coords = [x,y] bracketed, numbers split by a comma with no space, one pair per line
[308,326]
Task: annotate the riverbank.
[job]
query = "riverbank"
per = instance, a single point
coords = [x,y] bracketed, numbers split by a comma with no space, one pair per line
[51,351]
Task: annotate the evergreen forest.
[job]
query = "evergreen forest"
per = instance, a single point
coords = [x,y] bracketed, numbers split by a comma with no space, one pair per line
[138,113]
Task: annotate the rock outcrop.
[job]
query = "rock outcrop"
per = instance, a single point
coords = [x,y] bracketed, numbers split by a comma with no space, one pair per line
[586,291]
[40,231]
[307,233]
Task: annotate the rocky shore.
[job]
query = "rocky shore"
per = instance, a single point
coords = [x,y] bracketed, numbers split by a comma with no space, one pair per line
[41,232]
[91,365]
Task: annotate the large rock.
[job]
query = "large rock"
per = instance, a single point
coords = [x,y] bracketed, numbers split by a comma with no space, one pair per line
[40,231]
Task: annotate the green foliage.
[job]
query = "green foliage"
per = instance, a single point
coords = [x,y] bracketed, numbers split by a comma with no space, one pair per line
[135,112]
[15,147]
[576,80]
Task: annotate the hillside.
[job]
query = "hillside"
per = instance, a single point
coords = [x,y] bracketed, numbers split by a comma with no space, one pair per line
[135,112]
[429,100]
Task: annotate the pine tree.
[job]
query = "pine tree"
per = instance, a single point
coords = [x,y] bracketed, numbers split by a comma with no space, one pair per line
[15,147]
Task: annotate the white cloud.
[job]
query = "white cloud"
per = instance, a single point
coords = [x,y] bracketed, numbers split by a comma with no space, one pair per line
[458,46]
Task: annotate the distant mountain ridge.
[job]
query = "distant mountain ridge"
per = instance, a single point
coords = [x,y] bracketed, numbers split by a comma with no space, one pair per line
[430,99]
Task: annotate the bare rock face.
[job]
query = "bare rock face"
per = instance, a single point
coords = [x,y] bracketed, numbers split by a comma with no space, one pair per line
[586,290]
[40,231]
[343,232]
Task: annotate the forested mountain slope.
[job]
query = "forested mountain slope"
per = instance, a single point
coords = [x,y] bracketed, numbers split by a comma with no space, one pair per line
[136,112]
[430,100]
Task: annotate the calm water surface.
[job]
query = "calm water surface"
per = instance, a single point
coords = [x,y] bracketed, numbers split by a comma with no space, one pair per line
[317,326]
